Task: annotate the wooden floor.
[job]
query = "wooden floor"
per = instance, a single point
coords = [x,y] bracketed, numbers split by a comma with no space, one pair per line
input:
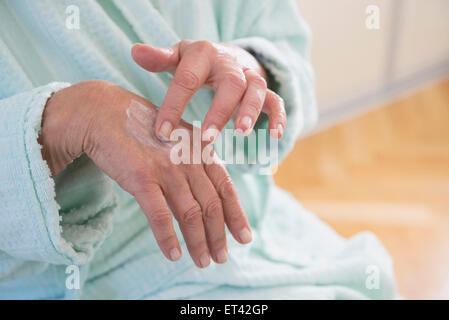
[386,171]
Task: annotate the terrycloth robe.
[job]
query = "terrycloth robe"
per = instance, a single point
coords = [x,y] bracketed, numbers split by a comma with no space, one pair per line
[82,219]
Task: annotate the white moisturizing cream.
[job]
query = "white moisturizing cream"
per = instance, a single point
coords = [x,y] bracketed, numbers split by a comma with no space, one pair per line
[140,124]
[184,146]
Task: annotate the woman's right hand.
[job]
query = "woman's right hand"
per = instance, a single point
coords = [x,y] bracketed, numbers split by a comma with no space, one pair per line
[94,117]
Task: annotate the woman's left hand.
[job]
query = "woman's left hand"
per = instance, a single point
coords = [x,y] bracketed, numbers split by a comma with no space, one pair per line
[234,74]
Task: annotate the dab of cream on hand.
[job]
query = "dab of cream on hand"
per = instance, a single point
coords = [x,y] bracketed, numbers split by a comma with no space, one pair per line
[184,146]
[140,124]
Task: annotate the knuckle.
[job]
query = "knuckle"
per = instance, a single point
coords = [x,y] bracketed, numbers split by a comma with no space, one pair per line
[218,242]
[166,241]
[185,43]
[282,116]
[281,103]
[280,107]
[221,115]
[254,106]
[159,218]
[275,102]
[237,80]
[187,80]
[234,218]
[282,110]
[203,46]
[259,82]
[192,216]
[278,100]
[213,209]
[226,187]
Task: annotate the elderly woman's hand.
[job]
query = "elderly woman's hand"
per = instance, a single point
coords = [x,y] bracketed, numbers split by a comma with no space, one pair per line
[234,74]
[114,128]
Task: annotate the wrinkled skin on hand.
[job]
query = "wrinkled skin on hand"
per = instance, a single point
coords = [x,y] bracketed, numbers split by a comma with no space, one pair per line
[237,78]
[93,117]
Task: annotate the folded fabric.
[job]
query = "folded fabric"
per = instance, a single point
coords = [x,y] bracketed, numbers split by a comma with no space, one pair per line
[83,219]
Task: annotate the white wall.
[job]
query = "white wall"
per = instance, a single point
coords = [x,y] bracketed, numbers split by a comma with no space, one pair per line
[424,36]
[357,67]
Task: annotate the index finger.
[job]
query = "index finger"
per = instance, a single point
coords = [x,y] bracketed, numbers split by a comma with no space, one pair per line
[190,75]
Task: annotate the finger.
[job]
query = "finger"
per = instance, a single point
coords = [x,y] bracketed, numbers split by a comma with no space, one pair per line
[228,95]
[159,217]
[191,73]
[204,191]
[252,103]
[235,217]
[156,59]
[188,213]
[274,107]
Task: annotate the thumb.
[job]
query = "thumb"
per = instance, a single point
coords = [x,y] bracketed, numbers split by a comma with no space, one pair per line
[155,59]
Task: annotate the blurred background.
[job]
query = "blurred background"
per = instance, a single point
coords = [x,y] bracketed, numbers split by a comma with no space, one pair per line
[379,158]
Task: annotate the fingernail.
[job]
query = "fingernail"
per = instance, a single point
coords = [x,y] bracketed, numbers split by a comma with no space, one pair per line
[245,123]
[245,235]
[211,134]
[204,260]
[175,254]
[135,46]
[165,130]
[222,256]
[280,130]
[277,133]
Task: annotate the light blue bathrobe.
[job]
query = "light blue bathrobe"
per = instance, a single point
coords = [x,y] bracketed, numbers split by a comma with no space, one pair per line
[83,218]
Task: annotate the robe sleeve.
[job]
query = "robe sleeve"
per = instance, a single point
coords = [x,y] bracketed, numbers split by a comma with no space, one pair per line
[36,222]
